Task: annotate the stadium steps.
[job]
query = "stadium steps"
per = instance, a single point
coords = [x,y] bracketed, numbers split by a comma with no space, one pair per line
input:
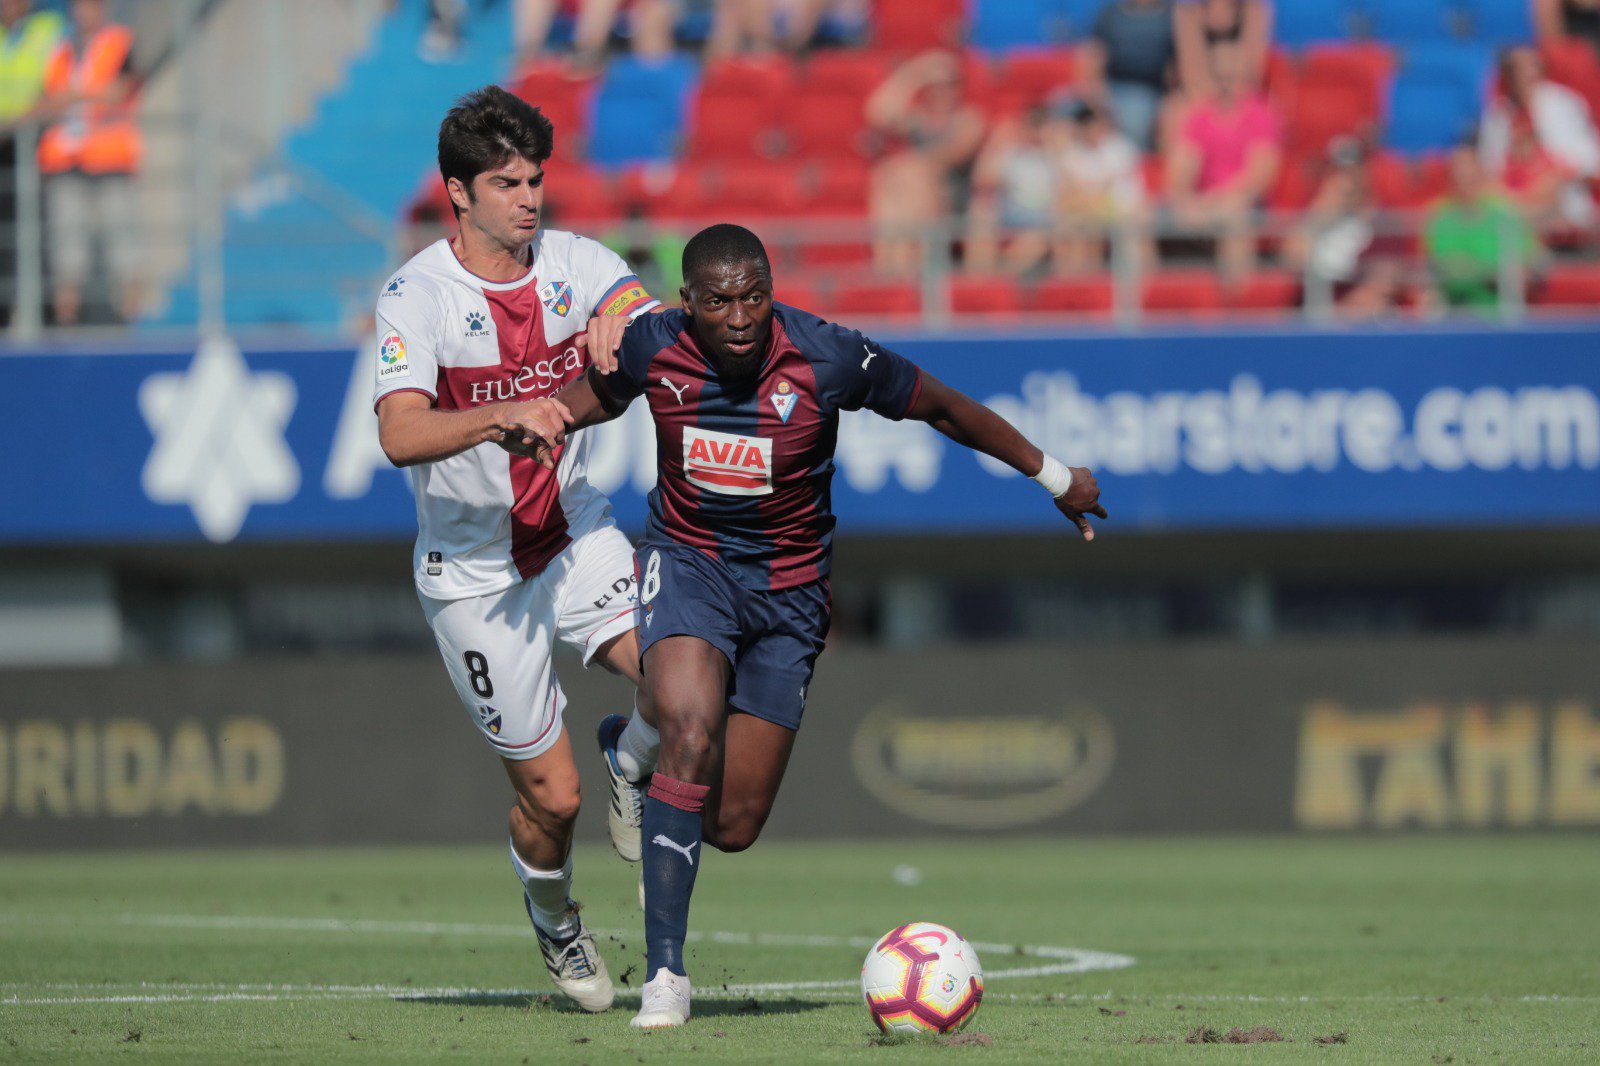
[309,239]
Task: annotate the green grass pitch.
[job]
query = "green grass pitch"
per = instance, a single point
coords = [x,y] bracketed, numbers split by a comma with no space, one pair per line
[1402,949]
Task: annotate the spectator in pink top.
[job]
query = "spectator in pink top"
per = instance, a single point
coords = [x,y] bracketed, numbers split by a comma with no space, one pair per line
[1224,161]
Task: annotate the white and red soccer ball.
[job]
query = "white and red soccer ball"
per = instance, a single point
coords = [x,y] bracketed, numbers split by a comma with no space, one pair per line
[922,978]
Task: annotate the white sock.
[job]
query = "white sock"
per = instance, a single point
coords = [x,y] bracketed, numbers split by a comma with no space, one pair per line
[638,748]
[548,892]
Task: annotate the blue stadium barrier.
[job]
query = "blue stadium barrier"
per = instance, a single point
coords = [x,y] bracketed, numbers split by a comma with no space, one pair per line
[640,110]
[1267,429]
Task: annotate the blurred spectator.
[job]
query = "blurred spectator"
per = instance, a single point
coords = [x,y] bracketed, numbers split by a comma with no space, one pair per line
[1199,24]
[934,133]
[30,39]
[1223,161]
[441,37]
[1567,18]
[1016,187]
[740,27]
[656,254]
[1469,231]
[1127,64]
[805,24]
[1539,139]
[1338,245]
[1102,189]
[89,156]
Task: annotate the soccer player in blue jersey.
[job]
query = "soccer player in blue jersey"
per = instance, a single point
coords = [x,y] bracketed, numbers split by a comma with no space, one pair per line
[733,566]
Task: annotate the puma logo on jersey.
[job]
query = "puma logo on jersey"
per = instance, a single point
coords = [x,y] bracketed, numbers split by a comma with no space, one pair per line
[729,463]
[870,355]
[677,390]
[667,842]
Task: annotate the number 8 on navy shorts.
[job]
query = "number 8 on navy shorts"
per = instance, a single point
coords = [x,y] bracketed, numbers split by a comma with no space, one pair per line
[771,638]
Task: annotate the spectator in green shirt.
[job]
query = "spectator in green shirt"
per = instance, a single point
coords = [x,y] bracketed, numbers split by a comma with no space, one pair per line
[28,39]
[1469,231]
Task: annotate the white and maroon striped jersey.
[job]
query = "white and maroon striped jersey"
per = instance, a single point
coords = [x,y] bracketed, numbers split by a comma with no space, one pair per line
[487,519]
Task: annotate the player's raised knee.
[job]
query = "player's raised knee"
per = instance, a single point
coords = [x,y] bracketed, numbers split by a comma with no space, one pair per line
[737,830]
[551,805]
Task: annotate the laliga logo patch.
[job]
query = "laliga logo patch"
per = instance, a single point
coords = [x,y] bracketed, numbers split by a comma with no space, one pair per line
[490,719]
[557,296]
[784,400]
[392,356]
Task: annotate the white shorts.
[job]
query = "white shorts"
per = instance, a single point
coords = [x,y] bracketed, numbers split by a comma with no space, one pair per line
[498,648]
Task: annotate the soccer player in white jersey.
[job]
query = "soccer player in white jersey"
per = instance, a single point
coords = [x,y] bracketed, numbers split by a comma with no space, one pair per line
[510,555]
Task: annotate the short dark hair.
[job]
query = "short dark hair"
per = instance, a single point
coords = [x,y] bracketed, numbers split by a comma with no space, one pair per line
[486,129]
[723,244]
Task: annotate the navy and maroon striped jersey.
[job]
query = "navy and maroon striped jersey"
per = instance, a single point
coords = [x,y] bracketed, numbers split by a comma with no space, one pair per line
[745,468]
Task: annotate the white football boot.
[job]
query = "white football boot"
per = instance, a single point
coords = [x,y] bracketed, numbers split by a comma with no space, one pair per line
[664,1003]
[627,802]
[577,968]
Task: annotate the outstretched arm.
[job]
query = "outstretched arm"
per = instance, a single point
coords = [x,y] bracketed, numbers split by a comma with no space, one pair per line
[969,423]
[588,401]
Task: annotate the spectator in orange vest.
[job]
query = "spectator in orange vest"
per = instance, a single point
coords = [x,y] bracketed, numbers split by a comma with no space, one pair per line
[89,156]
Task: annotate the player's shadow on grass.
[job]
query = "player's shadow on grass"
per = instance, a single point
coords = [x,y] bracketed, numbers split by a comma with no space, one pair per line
[751,1008]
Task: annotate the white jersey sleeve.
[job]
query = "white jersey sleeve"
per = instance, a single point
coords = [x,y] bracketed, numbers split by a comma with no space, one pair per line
[408,322]
[608,285]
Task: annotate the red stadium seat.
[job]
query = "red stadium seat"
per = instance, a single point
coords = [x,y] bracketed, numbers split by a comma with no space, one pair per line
[859,72]
[565,100]
[738,112]
[1079,296]
[1393,183]
[828,124]
[913,25]
[1323,110]
[1370,64]
[1570,285]
[1190,291]
[735,128]
[766,75]
[801,294]
[834,253]
[870,298]
[581,194]
[981,295]
[1340,90]
[1296,186]
[1267,291]
[1430,178]
[834,189]
[1028,77]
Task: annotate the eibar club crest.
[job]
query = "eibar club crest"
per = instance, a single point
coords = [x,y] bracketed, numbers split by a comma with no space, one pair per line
[784,398]
[557,296]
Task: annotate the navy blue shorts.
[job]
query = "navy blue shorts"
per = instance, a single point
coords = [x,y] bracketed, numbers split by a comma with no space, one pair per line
[771,639]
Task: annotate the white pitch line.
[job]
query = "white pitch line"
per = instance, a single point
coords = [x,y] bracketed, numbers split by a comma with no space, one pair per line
[1066,960]
[180,992]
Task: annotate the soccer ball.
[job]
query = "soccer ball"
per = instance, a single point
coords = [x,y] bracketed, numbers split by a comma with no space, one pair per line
[922,978]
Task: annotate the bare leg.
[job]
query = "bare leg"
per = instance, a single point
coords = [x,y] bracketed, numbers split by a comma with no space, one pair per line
[754,754]
[547,805]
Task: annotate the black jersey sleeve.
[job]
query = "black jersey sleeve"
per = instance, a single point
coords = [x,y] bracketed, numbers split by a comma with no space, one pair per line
[853,370]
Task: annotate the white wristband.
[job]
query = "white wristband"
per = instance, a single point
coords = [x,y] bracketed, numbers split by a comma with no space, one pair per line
[1055,477]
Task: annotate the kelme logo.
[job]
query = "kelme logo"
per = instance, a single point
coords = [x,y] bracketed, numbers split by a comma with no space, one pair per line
[989,772]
